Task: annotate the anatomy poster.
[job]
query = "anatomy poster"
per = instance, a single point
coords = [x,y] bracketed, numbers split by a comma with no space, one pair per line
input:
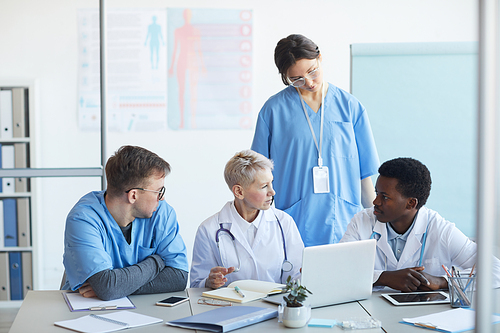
[136,70]
[209,68]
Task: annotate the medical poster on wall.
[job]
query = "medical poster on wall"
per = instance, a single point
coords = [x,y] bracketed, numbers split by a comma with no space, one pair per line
[136,64]
[209,68]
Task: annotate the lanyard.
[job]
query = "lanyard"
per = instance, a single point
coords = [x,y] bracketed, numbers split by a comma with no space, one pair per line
[322,110]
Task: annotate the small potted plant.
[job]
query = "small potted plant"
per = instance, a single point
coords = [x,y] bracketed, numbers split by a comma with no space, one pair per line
[295,314]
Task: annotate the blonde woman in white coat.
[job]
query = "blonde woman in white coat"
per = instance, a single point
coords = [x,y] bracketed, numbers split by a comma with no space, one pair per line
[267,245]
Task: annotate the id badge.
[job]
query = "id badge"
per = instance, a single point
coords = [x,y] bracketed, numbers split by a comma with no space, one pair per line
[321,179]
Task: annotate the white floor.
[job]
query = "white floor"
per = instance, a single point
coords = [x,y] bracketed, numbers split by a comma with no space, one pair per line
[7,316]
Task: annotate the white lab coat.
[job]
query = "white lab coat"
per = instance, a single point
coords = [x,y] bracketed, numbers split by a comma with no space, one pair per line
[262,261]
[445,245]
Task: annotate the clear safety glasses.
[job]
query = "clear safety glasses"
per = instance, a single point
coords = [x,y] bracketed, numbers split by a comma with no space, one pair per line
[310,76]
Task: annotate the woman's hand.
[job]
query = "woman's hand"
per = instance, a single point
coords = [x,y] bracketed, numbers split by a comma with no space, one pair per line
[217,278]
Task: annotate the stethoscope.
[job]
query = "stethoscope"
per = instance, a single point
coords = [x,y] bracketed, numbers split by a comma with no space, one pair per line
[424,240]
[287,266]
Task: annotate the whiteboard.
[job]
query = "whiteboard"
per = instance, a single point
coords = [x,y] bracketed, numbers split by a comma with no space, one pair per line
[421,99]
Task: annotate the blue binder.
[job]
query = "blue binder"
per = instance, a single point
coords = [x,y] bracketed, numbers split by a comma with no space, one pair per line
[10,222]
[0,167]
[225,319]
[16,276]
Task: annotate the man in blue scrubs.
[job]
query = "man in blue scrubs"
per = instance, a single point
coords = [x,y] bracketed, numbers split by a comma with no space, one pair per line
[126,240]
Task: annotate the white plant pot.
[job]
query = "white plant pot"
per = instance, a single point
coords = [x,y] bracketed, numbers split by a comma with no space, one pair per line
[296,317]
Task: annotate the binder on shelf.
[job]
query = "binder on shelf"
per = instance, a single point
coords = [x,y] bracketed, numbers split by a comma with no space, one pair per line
[20,161]
[1,181]
[2,235]
[18,113]
[16,276]
[6,114]
[27,273]
[4,277]
[8,163]
[10,222]
[23,222]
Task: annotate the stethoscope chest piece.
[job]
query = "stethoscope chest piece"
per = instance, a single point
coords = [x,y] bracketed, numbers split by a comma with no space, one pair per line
[287,266]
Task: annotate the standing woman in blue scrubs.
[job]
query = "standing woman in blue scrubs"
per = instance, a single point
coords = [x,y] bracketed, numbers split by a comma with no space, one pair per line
[321,142]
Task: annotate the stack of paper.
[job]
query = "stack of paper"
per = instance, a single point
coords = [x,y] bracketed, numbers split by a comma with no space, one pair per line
[456,320]
[110,322]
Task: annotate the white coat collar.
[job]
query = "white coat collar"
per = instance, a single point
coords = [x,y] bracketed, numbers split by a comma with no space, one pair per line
[413,243]
[225,215]
[226,218]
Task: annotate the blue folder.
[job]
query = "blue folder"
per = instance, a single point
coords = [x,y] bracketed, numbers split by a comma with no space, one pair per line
[10,222]
[16,276]
[225,319]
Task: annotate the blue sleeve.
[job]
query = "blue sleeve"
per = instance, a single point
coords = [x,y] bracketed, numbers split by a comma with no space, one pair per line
[367,151]
[262,137]
[171,247]
[84,253]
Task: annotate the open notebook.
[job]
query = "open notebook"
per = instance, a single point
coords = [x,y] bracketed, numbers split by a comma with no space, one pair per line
[252,289]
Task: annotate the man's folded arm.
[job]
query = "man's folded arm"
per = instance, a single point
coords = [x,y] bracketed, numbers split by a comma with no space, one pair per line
[170,279]
[120,282]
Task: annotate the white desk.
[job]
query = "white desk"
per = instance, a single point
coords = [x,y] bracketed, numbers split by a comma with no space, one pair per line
[41,309]
[341,311]
[391,315]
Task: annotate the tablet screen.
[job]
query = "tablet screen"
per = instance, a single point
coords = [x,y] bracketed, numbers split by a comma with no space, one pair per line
[432,297]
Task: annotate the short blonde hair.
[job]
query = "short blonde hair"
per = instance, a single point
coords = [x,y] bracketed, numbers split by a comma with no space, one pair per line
[242,167]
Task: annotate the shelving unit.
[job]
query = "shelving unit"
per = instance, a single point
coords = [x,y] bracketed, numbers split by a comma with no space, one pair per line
[16,201]
[29,175]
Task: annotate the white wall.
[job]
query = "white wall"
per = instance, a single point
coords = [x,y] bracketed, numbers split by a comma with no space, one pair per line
[38,40]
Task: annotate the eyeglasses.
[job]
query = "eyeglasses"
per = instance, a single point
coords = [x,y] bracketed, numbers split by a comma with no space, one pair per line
[161,192]
[310,76]
[214,302]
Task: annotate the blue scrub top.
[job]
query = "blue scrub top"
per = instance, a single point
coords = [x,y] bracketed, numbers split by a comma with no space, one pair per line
[94,241]
[283,135]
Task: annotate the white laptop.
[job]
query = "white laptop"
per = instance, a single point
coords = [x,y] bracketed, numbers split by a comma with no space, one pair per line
[337,273]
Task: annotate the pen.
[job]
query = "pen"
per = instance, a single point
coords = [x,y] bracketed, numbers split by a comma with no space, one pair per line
[98,308]
[238,291]
[472,270]
[426,325]
[456,273]
[470,281]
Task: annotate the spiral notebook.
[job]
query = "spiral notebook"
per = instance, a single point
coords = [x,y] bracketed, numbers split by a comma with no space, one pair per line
[109,322]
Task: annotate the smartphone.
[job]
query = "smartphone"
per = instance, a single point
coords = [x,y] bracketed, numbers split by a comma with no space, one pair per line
[172,301]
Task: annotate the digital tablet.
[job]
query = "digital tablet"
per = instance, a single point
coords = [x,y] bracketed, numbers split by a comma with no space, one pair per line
[416,298]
